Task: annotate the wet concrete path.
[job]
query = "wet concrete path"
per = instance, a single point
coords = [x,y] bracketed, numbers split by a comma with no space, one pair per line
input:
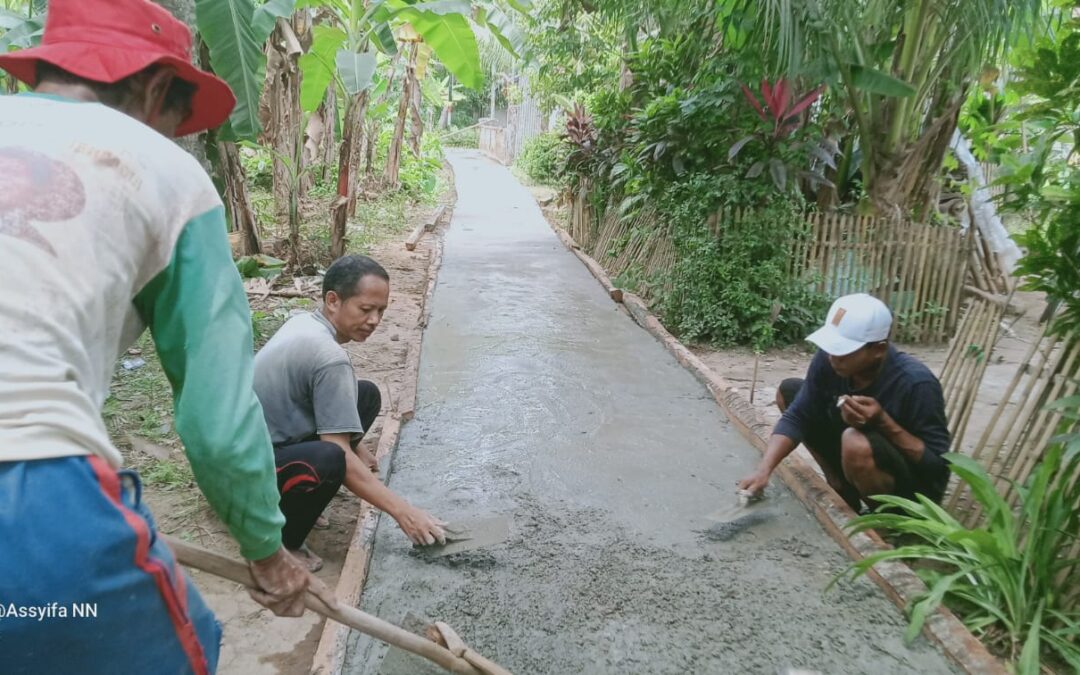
[540,400]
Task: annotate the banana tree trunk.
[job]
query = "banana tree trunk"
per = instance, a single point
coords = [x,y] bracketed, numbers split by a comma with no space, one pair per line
[416,130]
[236,198]
[339,212]
[393,157]
[330,112]
[285,111]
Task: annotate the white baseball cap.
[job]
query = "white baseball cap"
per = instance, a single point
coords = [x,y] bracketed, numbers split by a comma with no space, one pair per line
[854,321]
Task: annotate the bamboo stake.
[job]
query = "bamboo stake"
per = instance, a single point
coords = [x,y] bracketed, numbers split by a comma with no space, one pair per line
[950,273]
[877,264]
[959,276]
[989,340]
[896,260]
[920,279]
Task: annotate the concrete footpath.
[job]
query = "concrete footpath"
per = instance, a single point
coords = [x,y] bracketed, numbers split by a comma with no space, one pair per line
[539,399]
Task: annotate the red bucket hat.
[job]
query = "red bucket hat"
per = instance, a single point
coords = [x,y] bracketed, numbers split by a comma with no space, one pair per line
[108,40]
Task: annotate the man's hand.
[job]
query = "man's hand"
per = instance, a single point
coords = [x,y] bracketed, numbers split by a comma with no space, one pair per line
[282,581]
[755,483]
[861,411]
[421,527]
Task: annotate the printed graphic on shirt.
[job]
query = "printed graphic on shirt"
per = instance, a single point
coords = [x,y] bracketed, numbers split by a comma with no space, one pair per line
[36,189]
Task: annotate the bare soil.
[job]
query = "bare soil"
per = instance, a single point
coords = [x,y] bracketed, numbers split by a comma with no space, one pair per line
[255,641]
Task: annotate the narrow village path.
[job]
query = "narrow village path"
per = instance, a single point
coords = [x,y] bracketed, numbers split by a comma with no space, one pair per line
[539,399]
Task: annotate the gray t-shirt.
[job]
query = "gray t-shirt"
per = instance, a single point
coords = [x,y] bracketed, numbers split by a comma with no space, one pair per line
[305,382]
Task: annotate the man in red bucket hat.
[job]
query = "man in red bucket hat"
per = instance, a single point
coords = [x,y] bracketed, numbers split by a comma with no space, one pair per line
[107,227]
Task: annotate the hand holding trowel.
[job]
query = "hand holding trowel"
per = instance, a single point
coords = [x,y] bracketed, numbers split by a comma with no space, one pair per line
[744,513]
[469,535]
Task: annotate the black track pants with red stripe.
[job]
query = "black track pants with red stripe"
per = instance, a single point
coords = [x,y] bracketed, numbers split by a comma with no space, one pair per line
[310,473]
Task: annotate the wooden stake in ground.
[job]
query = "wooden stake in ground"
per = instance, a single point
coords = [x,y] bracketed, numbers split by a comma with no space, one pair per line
[456,659]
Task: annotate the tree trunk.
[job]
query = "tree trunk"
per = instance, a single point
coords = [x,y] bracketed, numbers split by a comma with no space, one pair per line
[236,198]
[286,116]
[339,212]
[416,131]
[905,184]
[329,132]
[393,157]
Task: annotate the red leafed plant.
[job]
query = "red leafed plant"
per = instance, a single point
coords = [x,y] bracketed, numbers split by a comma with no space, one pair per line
[777,99]
[782,111]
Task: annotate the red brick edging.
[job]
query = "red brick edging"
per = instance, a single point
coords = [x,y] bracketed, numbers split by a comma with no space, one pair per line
[896,579]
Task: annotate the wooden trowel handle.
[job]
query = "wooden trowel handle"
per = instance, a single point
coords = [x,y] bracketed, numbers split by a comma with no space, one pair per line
[234,570]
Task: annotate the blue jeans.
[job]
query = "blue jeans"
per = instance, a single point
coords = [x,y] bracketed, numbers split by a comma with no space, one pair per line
[86,585]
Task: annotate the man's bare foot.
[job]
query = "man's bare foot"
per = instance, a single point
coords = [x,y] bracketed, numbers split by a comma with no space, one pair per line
[322,523]
[313,562]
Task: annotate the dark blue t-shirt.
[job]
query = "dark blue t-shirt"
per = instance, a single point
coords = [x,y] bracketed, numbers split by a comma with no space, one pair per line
[906,390]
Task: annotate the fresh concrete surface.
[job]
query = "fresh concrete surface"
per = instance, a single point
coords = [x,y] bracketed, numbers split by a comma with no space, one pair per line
[539,399]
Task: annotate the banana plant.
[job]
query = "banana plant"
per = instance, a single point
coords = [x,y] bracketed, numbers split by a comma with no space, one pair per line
[234,32]
[345,53]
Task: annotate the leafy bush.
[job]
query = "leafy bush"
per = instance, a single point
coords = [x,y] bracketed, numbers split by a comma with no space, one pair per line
[419,176]
[542,157]
[1044,184]
[727,284]
[258,165]
[1009,579]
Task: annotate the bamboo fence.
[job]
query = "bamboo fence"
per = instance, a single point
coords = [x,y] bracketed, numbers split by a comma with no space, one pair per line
[918,270]
[969,354]
[1023,424]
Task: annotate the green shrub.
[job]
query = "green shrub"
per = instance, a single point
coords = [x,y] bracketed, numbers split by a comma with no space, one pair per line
[1010,579]
[542,157]
[726,284]
[419,176]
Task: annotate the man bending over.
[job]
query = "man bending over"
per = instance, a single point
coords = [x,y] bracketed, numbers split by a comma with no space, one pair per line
[108,227]
[873,417]
[317,410]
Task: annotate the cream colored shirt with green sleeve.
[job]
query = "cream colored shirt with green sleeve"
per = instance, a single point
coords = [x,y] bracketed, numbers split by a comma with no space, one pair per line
[107,228]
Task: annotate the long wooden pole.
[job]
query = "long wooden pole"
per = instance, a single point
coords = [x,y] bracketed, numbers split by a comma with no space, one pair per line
[233,570]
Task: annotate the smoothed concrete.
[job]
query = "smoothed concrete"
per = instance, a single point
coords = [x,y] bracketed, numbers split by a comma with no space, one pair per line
[541,400]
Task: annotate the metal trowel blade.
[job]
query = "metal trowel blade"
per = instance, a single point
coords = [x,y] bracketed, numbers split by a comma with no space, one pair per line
[469,535]
[743,505]
[732,520]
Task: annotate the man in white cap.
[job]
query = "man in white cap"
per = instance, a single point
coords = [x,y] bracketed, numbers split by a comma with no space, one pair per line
[872,416]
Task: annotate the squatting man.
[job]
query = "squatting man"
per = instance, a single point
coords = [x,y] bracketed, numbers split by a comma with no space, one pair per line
[318,412]
[872,416]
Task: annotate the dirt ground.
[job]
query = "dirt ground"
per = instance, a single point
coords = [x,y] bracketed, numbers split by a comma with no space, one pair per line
[255,641]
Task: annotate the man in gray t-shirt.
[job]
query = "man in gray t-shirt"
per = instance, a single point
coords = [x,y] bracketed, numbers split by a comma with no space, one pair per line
[317,411]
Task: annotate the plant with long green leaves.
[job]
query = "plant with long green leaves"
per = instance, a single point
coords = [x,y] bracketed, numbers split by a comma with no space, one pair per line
[901,67]
[1010,579]
[344,52]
